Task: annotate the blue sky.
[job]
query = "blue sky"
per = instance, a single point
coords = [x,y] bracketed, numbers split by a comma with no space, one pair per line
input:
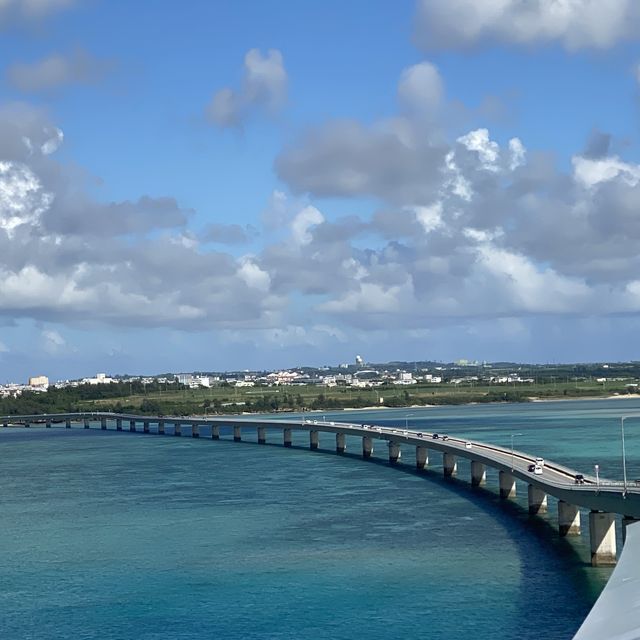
[221,185]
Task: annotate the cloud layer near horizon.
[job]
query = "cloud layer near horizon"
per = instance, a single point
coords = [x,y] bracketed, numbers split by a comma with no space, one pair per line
[462,229]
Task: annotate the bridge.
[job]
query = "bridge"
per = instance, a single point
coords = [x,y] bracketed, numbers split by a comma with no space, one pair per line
[604,499]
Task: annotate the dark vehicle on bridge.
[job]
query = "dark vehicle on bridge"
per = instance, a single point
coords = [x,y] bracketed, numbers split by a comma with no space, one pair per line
[579,478]
[435,436]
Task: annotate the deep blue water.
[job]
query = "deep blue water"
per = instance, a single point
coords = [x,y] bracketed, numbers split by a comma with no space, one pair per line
[121,536]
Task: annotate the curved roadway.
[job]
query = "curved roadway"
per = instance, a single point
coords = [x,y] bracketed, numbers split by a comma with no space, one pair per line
[556,479]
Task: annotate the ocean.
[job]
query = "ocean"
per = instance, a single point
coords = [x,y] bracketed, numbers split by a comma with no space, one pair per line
[129,536]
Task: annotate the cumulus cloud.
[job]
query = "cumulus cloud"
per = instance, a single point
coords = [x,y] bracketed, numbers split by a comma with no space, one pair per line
[57,71]
[69,258]
[264,86]
[472,227]
[576,24]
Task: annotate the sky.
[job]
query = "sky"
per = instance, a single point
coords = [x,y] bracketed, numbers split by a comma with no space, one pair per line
[257,185]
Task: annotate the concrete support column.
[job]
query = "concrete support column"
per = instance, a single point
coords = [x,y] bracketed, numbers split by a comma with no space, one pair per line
[67,424]
[262,435]
[195,430]
[394,452]
[86,423]
[367,447]
[450,464]
[602,534]
[27,425]
[568,519]
[118,424]
[537,500]
[103,424]
[313,439]
[161,427]
[145,426]
[5,425]
[215,432]
[422,457]
[341,443]
[626,521]
[48,424]
[507,485]
[286,437]
[177,429]
[478,474]
[132,425]
[237,433]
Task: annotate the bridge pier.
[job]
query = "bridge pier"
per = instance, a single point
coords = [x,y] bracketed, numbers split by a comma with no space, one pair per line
[537,500]
[341,443]
[313,439]
[27,425]
[286,437]
[262,435]
[237,433]
[568,519]
[48,424]
[67,424]
[195,430]
[215,432]
[394,452]
[5,425]
[367,447]
[602,534]
[507,485]
[177,429]
[422,457]
[103,424]
[145,426]
[132,426]
[450,465]
[86,423]
[161,427]
[118,424]
[478,474]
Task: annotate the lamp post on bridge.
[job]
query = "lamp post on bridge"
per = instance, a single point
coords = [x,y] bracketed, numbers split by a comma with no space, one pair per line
[513,435]
[624,453]
[597,469]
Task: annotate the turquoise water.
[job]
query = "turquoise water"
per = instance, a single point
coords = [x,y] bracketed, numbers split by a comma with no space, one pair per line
[121,536]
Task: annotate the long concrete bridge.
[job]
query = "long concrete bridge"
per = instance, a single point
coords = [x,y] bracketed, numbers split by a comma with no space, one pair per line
[604,499]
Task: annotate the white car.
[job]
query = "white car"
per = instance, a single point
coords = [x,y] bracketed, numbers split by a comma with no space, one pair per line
[467,445]
[540,462]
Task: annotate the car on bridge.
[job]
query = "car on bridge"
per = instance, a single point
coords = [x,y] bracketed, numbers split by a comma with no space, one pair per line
[535,469]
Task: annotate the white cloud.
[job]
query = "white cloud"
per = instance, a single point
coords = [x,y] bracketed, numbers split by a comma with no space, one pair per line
[22,198]
[304,221]
[52,342]
[56,71]
[254,276]
[592,172]
[488,150]
[264,86]
[576,24]
[420,88]
[429,217]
